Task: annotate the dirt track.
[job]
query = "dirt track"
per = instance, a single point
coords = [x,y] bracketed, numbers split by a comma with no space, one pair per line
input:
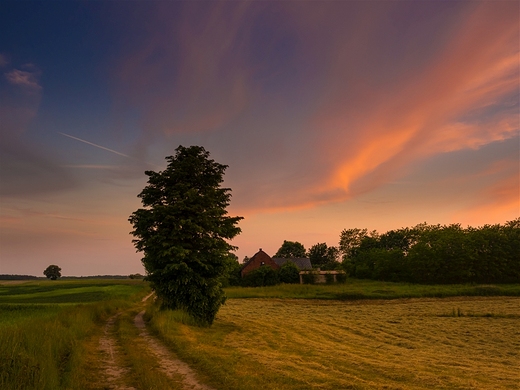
[116,372]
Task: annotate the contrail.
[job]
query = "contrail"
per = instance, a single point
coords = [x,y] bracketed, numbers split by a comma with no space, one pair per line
[97,146]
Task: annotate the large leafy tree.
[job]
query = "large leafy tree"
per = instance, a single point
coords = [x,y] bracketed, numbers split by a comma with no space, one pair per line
[183,231]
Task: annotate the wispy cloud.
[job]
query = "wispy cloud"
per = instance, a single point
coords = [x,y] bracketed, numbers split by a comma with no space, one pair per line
[95,145]
[24,79]
[92,166]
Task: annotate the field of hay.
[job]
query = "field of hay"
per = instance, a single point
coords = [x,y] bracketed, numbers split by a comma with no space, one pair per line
[427,343]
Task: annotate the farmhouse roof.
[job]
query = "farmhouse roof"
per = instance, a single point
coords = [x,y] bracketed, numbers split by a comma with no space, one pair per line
[300,262]
[260,255]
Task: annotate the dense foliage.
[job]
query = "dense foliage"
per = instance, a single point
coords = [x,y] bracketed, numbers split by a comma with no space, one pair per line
[290,249]
[183,231]
[324,257]
[52,272]
[289,273]
[435,254]
[263,276]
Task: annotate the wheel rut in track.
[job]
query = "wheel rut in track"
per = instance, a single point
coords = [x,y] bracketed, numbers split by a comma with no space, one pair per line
[168,364]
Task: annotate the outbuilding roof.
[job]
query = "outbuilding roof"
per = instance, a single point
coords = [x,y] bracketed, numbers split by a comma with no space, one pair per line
[300,262]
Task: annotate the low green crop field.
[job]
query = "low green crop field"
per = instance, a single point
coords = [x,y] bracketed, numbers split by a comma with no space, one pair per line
[74,292]
[46,326]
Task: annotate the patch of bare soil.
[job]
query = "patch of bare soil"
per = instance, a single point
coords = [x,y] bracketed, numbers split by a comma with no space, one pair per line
[146,297]
[114,371]
[167,362]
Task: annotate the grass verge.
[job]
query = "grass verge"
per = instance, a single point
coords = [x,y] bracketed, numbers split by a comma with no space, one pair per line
[366,289]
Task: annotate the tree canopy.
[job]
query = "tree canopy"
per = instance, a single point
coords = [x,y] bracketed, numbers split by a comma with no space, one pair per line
[435,254]
[323,256]
[183,231]
[291,249]
[52,272]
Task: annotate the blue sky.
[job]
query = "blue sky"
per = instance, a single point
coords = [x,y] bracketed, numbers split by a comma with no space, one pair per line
[330,115]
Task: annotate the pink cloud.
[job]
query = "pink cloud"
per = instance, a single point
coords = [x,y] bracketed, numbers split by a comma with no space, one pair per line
[434,111]
[371,102]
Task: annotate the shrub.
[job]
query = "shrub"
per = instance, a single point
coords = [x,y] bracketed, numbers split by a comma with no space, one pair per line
[341,278]
[289,273]
[263,276]
[309,278]
[329,278]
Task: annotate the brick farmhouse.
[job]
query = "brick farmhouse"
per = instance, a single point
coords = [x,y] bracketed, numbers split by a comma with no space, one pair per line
[263,259]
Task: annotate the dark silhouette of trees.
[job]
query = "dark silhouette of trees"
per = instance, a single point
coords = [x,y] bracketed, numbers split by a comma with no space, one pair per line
[435,254]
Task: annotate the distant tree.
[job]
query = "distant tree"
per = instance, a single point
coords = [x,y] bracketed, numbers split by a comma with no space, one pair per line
[323,256]
[183,231]
[52,272]
[350,240]
[290,249]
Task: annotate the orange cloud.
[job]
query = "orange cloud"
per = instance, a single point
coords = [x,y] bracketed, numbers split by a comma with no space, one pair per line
[436,110]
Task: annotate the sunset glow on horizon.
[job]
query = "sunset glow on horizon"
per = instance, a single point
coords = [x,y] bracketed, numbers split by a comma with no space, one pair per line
[330,115]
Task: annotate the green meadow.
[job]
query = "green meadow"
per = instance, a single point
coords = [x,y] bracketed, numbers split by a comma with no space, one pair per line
[46,327]
[367,289]
[358,335]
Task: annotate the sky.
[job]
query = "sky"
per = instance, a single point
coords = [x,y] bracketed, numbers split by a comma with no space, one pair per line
[330,115]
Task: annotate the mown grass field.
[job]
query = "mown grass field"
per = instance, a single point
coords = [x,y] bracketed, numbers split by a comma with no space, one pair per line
[417,343]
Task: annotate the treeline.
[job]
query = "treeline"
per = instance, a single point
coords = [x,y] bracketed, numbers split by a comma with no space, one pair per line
[434,254]
[17,277]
